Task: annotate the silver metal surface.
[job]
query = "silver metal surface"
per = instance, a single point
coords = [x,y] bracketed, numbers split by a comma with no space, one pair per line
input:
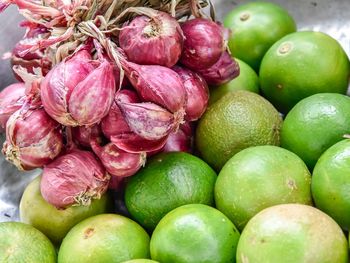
[331,17]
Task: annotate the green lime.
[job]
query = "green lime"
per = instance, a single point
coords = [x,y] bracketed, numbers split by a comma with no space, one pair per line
[169,180]
[140,261]
[23,243]
[104,238]
[255,27]
[260,177]
[315,124]
[331,183]
[292,233]
[247,80]
[55,223]
[194,233]
[238,120]
[302,64]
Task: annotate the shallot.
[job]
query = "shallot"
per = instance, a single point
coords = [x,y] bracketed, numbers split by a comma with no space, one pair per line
[224,70]
[197,93]
[82,135]
[118,162]
[31,60]
[148,120]
[114,123]
[181,140]
[11,100]
[33,139]
[75,93]
[203,45]
[159,85]
[152,39]
[74,179]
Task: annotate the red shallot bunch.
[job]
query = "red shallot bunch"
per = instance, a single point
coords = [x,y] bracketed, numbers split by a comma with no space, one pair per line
[106,85]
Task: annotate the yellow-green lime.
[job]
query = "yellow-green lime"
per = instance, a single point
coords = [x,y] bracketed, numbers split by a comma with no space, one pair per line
[260,177]
[315,124]
[194,233]
[255,27]
[238,120]
[20,242]
[300,65]
[292,233]
[247,80]
[104,238]
[55,223]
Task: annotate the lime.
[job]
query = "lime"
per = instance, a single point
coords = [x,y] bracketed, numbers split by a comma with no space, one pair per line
[238,120]
[302,64]
[55,223]
[23,243]
[247,80]
[255,27]
[169,180]
[140,261]
[331,183]
[194,233]
[104,238]
[278,176]
[315,124]
[292,233]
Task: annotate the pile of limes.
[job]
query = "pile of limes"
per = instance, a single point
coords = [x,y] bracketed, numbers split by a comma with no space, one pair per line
[269,181]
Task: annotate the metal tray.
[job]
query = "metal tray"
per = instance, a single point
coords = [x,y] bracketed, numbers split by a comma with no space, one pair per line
[331,17]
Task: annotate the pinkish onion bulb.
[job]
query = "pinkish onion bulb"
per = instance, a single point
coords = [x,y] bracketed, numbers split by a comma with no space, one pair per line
[181,140]
[92,98]
[224,70]
[35,59]
[159,85]
[203,45]
[114,123]
[197,93]
[74,179]
[57,86]
[148,120]
[133,143]
[11,100]
[75,93]
[118,162]
[82,135]
[33,139]
[153,40]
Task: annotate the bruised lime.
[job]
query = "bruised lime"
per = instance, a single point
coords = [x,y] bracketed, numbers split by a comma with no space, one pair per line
[104,238]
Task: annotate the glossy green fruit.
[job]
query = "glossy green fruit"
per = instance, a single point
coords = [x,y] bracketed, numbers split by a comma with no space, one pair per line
[300,65]
[260,177]
[169,180]
[194,233]
[331,183]
[255,27]
[315,124]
